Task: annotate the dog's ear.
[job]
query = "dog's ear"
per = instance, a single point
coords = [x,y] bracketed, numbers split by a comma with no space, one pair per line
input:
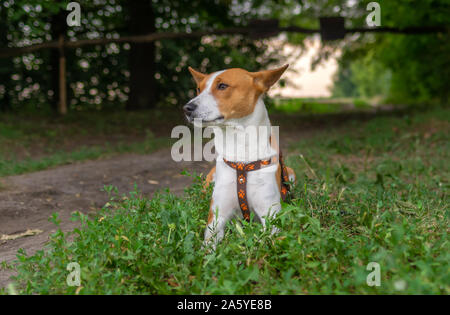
[265,79]
[198,76]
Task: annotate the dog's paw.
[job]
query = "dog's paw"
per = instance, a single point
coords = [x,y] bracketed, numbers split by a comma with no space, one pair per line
[209,246]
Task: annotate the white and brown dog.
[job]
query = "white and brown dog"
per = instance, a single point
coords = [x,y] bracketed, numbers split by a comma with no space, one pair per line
[249,175]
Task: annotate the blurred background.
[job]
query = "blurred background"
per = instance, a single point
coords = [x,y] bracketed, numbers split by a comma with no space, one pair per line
[101,87]
[390,67]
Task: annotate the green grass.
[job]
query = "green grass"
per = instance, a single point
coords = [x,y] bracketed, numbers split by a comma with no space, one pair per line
[34,142]
[371,192]
[60,157]
[306,106]
[318,106]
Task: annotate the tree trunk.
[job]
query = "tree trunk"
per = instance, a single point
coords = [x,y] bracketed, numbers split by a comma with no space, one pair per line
[6,64]
[142,57]
[58,27]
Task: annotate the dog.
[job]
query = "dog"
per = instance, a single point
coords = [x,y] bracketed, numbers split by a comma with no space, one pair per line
[249,175]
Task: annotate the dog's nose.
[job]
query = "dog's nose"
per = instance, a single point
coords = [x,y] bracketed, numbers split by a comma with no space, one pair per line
[189,108]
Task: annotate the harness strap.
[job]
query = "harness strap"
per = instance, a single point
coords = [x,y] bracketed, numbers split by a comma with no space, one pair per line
[285,188]
[241,181]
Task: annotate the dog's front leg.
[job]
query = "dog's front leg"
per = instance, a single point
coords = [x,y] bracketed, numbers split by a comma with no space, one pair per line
[219,215]
[266,208]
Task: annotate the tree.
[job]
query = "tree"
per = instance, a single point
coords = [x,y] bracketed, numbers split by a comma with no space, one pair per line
[107,76]
[5,64]
[410,68]
[58,27]
[142,56]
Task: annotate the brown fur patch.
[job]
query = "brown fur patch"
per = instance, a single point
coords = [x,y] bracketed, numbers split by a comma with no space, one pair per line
[239,99]
[274,143]
[291,173]
[209,177]
[244,88]
[198,76]
[211,214]
[278,177]
[208,180]
[202,85]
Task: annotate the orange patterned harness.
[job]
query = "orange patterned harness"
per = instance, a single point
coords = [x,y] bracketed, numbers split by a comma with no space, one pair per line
[241,181]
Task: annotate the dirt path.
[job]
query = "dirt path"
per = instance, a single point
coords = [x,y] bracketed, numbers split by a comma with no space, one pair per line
[27,201]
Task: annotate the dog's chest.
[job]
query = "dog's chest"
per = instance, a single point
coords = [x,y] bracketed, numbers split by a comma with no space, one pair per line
[261,185]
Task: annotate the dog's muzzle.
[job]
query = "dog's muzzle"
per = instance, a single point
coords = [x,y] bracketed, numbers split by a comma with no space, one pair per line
[189,109]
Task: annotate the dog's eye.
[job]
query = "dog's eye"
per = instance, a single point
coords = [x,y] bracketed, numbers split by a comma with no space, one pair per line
[222,86]
[198,91]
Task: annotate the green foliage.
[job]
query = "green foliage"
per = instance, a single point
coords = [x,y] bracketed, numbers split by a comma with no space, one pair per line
[370,77]
[360,103]
[377,192]
[419,67]
[361,74]
[306,106]
[403,68]
[98,76]
[343,85]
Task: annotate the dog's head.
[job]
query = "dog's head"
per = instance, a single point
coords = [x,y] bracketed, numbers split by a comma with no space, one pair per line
[228,94]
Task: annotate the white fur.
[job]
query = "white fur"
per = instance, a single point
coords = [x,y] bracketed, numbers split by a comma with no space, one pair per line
[208,109]
[245,139]
[263,193]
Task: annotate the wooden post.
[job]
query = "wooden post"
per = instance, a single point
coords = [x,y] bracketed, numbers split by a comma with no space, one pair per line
[332,27]
[62,105]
